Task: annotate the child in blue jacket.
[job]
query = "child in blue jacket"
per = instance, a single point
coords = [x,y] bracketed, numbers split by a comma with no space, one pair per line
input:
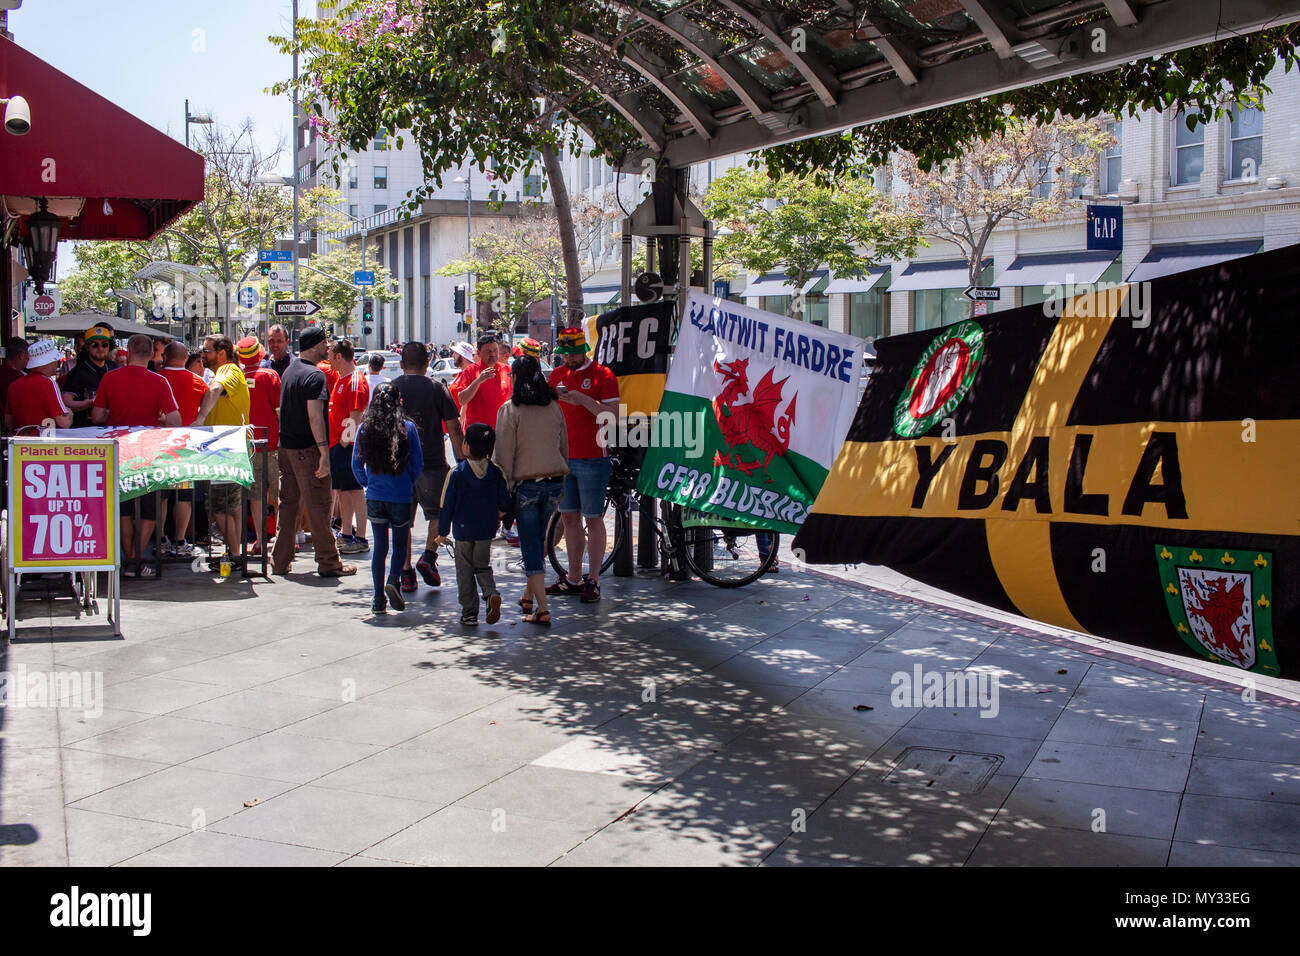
[387,459]
[474,501]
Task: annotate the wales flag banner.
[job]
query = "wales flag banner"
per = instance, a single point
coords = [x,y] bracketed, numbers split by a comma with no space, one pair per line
[761,404]
[1119,461]
[154,458]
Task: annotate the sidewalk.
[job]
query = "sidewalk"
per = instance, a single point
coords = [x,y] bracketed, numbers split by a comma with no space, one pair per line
[277,723]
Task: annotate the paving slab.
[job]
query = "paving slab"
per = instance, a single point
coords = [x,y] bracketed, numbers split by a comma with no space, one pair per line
[672,724]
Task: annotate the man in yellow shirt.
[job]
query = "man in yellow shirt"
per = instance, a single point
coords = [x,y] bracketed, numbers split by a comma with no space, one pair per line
[226,403]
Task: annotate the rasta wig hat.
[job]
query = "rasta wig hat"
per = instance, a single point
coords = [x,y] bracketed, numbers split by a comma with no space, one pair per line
[572,342]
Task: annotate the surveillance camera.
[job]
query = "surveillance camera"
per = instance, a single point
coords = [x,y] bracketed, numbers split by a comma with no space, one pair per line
[18,116]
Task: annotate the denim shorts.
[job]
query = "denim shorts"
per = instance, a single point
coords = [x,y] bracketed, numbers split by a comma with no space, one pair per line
[397,514]
[585,486]
[534,503]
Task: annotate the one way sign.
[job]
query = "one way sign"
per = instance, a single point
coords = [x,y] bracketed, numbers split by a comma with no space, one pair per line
[297,307]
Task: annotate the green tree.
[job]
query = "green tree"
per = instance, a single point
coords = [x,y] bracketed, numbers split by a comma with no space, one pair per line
[1025,172]
[341,304]
[801,225]
[100,267]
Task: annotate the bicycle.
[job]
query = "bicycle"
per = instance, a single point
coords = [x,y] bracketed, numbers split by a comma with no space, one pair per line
[724,554]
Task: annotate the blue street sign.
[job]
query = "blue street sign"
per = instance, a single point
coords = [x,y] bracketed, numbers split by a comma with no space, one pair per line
[275,255]
[721,288]
[248,297]
[363,278]
[1106,228]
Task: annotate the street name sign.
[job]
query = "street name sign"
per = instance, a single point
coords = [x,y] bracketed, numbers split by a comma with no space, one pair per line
[363,278]
[275,255]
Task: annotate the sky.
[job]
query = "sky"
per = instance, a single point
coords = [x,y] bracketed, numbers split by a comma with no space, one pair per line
[148,56]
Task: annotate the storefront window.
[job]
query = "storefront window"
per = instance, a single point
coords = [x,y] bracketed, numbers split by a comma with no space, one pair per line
[867,314]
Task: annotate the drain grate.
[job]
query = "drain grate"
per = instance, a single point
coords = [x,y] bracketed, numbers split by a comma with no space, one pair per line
[959,771]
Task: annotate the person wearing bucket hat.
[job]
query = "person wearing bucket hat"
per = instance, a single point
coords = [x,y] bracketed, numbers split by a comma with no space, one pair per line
[35,397]
[94,362]
[587,390]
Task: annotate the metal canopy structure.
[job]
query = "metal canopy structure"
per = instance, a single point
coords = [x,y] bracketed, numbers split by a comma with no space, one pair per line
[701,79]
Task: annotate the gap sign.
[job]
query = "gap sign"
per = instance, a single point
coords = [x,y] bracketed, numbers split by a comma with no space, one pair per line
[1106,228]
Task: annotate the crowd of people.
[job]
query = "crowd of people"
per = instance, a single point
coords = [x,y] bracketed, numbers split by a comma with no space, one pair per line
[347,448]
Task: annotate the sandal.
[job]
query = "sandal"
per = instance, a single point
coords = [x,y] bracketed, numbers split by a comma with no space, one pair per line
[526,604]
[539,617]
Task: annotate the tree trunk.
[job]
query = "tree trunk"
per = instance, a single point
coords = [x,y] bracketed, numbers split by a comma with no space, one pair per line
[568,237]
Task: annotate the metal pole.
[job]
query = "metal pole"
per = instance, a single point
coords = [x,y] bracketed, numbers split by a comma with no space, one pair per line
[469,239]
[295,152]
[187,124]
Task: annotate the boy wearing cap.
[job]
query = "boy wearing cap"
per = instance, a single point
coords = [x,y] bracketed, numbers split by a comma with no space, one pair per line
[93,364]
[35,397]
[586,389]
[474,501]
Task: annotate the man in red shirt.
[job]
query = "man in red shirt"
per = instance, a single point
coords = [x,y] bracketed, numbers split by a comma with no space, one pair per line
[128,396]
[483,387]
[264,414]
[348,401]
[188,390]
[11,370]
[35,397]
[586,389]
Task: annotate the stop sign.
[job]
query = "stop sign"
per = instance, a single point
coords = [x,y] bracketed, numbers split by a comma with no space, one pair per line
[44,305]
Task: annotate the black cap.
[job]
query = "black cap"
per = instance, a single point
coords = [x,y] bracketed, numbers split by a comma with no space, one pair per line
[311,338]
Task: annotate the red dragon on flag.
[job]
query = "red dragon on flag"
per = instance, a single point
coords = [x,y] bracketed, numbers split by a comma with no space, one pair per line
[754,423]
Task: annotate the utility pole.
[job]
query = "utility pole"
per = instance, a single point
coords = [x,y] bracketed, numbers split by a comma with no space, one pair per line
[295,151]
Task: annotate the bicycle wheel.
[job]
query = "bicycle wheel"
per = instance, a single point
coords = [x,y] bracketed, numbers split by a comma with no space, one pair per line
[726,557]
[557,548]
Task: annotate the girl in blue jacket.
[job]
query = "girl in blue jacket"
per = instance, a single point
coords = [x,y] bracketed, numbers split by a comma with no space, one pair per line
[387,459]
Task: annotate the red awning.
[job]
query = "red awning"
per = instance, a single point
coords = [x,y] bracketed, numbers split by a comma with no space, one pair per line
[83,150]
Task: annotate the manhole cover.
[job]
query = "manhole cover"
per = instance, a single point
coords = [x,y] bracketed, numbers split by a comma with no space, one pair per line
[960,771]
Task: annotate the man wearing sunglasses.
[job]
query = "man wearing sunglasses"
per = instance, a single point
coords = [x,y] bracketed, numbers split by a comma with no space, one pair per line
[82,383]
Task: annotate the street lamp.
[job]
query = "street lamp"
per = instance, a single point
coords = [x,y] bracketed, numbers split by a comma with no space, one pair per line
[469,243]
[194,119]
[43,238]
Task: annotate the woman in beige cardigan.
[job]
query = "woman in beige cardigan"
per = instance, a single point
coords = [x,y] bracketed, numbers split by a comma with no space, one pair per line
[533,450]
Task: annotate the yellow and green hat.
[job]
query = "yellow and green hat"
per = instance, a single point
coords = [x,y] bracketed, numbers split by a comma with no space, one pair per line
[572,342]
[531,346]
[99,332]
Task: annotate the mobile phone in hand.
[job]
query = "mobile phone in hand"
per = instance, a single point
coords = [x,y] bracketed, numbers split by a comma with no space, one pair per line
[561,389]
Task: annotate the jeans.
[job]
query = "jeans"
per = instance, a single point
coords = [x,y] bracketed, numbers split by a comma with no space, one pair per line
[764,541]
[585,486]
[383,515]
[535,502]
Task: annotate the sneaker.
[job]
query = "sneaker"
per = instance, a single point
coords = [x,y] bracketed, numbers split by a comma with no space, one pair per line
[166,549]
[183,549]
[377,606]
[494,609]
[148,571]
[512,537]
[408,581]
[564,586]
[347,544]
[394,596]
[469,621]
[429,571]
[590,590]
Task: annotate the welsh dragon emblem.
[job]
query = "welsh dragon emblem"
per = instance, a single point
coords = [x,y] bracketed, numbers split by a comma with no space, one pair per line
[754,423]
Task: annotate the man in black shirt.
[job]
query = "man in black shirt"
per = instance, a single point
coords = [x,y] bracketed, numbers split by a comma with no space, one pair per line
[278,355]
[429,405]
[82,383]
[304,462]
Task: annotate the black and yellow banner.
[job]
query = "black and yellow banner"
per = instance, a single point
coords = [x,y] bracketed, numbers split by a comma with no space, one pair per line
[634,342]
[1123,462]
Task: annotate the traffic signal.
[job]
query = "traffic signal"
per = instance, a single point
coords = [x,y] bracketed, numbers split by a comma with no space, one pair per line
[266,268]
[458,300]
[368,329]
[367,311]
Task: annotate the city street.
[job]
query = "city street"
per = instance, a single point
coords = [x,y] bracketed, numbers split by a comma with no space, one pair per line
[278,723]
